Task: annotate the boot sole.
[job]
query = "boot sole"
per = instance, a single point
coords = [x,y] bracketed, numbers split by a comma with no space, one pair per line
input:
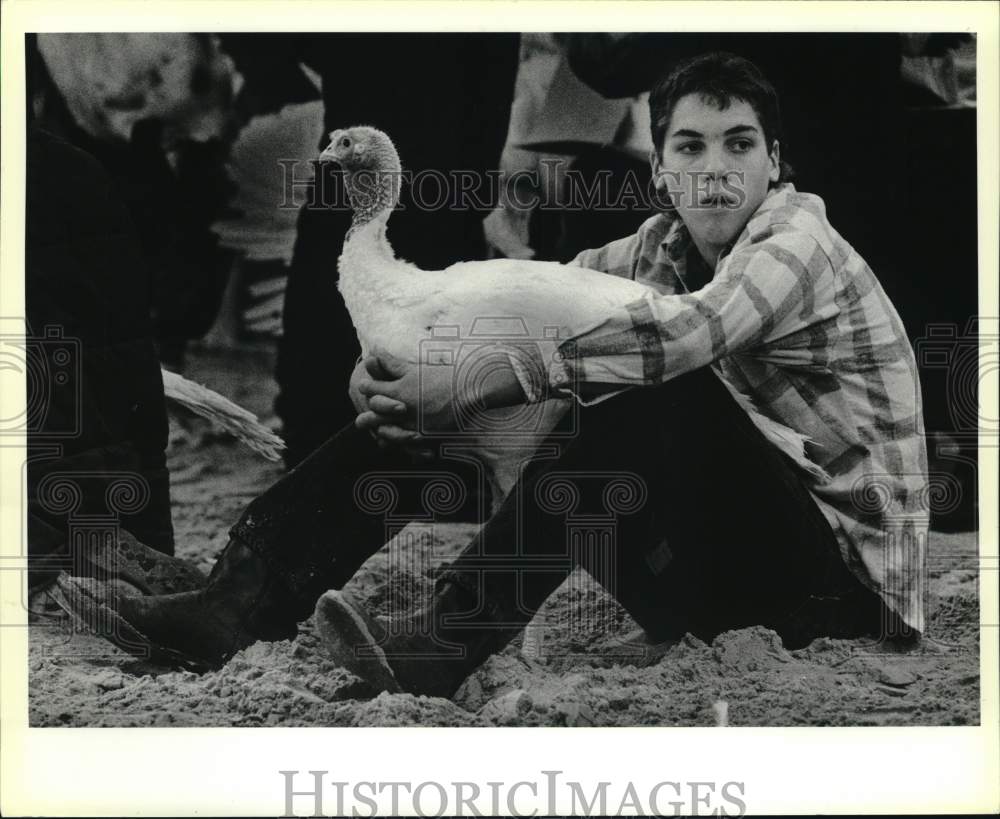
[350,643]
[149,570]
[98,618]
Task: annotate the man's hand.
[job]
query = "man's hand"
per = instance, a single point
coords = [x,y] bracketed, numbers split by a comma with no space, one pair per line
[385,418]
[360,374]
[411,402]
[398,397]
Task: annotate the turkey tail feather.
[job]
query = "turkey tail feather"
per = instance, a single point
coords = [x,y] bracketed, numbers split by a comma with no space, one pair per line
[237,421]
[792,443]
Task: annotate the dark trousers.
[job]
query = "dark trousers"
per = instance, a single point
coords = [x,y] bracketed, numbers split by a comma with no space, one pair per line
[669,496]
[97,422]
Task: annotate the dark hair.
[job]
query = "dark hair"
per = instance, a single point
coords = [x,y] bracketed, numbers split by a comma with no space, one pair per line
[719,78]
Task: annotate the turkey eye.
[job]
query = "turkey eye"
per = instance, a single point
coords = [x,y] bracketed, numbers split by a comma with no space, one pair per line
[345,143]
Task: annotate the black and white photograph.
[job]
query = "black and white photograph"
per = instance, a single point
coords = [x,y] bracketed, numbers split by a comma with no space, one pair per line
[514,378]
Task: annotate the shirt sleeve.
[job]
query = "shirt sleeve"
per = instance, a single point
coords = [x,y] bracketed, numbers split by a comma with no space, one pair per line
[766,289]
[617,258]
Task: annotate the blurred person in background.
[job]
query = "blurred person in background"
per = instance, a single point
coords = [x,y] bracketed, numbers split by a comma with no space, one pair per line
[95,395]
[157,111]
[828,84]
[938,295]
[445,98]
[576,164]
[162,113]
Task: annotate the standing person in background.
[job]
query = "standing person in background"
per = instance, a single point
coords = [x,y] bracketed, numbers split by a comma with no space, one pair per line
[446,99]
[157,111]
[577,162]
[100,414]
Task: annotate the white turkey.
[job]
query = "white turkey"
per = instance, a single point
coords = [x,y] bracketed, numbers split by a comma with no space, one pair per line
[467,314]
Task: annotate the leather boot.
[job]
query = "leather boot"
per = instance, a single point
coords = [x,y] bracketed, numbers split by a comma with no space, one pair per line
[130,561]
[126,563]
[419,654]
[241,603]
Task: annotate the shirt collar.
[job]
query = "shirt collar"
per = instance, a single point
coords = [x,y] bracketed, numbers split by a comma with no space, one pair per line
[677,242]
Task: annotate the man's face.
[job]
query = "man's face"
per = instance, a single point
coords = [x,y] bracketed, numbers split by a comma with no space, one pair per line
[716,167]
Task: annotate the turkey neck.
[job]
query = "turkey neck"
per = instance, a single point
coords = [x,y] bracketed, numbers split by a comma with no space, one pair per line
[373,193]
[369,270]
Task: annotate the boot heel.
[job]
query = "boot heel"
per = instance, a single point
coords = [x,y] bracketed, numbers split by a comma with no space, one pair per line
[349,640]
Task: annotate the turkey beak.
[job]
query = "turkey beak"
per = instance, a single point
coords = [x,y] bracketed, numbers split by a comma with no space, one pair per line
[328,155]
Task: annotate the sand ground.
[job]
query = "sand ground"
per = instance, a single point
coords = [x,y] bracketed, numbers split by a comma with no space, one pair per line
[567,674]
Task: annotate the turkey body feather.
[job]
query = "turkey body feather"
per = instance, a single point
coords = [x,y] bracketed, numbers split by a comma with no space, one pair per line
[394,305]
[234,419]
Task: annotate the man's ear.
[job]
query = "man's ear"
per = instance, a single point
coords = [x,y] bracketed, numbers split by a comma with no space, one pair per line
[775,157]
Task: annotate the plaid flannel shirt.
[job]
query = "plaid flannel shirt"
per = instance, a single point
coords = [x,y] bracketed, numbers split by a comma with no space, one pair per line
[795,319]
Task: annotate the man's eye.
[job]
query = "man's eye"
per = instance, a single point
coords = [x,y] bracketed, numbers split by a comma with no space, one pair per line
[741,145]
[689,148]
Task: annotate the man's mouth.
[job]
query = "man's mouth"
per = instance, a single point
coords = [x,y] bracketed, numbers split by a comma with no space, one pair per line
[719,201]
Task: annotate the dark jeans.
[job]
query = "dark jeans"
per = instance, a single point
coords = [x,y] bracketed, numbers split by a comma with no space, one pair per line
[669,496]
[97,422]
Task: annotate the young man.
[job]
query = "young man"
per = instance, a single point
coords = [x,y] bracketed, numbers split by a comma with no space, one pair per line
[750,284]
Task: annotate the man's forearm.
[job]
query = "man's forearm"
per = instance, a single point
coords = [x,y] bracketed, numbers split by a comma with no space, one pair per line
[501,389]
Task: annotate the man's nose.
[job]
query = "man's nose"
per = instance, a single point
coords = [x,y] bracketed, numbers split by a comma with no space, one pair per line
[716,163]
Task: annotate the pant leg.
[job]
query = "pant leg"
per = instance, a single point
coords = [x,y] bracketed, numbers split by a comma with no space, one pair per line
[89,335]
[317,525]
[319,347]
[714,528]
[738,540]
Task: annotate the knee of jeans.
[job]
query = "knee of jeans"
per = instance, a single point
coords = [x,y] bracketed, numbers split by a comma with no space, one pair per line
[697,386]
